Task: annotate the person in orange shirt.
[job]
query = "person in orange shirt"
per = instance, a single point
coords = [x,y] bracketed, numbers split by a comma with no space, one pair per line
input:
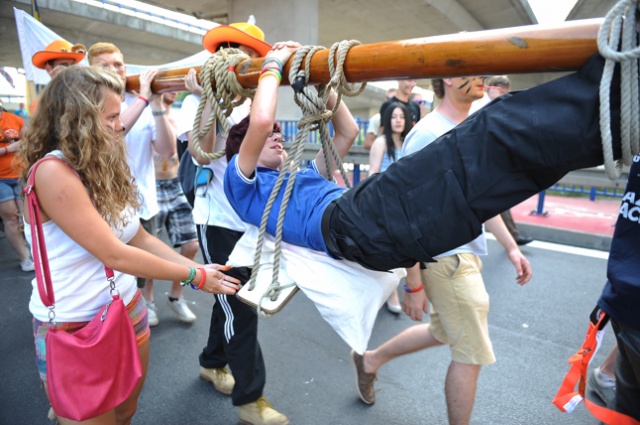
[11,130]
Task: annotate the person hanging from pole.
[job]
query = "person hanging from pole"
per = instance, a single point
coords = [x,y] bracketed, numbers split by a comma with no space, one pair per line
[508,151]
[376,223]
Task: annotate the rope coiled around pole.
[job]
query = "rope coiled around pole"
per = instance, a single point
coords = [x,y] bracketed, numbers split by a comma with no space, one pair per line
[219,70]
[315,117]
[620,22]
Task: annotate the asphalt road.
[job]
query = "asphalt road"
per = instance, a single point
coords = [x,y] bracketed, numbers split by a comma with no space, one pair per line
[534,329]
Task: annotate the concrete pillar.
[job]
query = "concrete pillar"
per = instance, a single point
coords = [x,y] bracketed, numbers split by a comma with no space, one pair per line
[281,20]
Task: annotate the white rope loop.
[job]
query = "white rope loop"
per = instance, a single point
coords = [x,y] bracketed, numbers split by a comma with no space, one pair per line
[619,23]
[314,114]
[315,117]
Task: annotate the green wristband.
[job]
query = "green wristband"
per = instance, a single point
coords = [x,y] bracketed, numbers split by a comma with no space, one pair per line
[189,279]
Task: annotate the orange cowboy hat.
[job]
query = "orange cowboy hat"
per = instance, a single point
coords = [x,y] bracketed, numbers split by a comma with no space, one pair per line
[59,49]
[242,33]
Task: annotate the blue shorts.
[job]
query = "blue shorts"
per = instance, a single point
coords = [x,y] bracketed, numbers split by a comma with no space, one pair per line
[9,189]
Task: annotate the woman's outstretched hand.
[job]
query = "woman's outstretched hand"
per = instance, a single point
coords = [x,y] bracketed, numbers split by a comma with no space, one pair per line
[218,282]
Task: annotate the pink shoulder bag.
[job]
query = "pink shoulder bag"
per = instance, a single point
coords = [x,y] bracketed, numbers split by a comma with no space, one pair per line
[96,368]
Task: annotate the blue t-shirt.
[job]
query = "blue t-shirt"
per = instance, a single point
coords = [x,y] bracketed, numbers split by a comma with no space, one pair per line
[311,195]
[621,295]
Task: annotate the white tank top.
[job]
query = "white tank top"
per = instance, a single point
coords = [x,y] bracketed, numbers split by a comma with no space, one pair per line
[79,283]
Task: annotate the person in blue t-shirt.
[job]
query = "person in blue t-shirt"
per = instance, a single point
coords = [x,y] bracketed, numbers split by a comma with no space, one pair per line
[435,199]
[508,151]
[251,173]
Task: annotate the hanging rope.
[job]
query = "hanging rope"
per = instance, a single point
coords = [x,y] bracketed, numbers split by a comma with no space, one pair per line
[620,20]
[219,69]
[315,117]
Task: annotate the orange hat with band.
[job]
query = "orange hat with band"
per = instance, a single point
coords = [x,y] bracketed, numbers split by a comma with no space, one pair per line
[59,49]
[242,33]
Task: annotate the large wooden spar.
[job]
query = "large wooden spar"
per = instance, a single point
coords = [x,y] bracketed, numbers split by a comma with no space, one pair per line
[528,49]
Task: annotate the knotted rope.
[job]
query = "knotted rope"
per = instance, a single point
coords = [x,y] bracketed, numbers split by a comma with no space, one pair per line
[219,70]
[315,117]
[620,20]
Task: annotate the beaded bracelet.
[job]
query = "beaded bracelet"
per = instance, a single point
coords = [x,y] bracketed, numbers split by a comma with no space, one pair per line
[276,60]
[412,291]
[144,99]
[189,279]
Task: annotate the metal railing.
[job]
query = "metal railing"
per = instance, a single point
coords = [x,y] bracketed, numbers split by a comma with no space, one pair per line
[589,181]
[290,130]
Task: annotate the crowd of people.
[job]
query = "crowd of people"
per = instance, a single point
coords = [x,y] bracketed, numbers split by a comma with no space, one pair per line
[114,156]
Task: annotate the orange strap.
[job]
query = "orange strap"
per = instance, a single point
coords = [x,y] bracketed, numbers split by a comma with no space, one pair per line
[567,399]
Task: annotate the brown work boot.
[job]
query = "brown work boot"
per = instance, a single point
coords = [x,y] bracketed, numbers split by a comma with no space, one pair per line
[260,412]
[364,380]
[221,379]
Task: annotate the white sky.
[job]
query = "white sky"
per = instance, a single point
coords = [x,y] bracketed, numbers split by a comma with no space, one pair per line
[546,11]
[551,11]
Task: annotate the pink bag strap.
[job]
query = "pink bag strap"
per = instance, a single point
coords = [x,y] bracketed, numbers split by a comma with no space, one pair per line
[39,248]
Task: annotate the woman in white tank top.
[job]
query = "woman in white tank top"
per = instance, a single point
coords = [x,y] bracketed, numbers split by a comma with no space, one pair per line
[88,205]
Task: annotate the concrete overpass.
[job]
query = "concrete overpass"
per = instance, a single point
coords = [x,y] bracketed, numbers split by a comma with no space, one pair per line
[308,21]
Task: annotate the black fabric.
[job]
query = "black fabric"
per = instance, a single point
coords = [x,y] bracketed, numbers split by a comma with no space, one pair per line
[627,370]
[151,226]
[621,294]
[181,147]
[187,176]
[242,350]
[436,199]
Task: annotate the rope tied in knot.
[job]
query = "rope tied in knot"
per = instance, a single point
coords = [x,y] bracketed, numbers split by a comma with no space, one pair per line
[621,20]
[219,70]
[315,117]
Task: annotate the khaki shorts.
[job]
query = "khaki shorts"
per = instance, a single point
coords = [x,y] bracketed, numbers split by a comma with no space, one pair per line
[459,307]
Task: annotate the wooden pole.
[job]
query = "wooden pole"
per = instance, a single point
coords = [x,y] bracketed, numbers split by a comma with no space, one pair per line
[527,49]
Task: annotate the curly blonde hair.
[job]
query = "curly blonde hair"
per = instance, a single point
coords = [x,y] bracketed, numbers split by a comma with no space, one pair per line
[68,118]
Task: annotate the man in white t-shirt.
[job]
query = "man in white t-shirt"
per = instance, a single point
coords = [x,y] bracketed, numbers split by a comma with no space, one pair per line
[148,129]
[454,285]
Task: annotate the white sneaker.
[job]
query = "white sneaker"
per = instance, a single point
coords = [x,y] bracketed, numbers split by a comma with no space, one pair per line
[394,308]
[152,314]
[27,265]
[182,310]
